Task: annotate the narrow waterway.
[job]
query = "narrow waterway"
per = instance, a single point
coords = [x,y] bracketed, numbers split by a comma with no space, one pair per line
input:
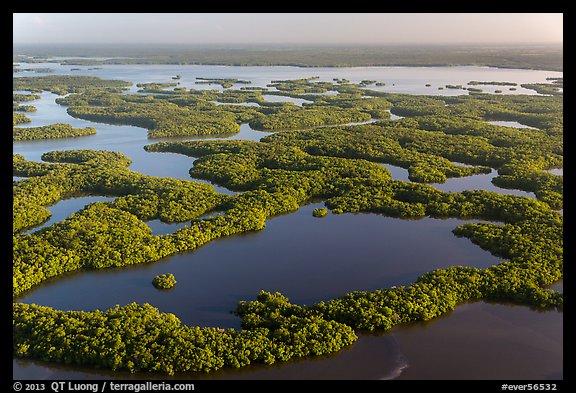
[308,259]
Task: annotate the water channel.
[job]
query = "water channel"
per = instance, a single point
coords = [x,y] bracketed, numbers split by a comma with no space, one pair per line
[306,258]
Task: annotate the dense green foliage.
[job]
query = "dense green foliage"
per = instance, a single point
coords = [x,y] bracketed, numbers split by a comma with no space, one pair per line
[546,88]
[493,83]
[16,107]
[224,82]
[320,212]
[180,112]
[102,234]
[51,131]
[64,84]
[339,165]
[20,118]
[140,338]
[164,115]
[24,97]
[164,281]
[155,87]
[39,69]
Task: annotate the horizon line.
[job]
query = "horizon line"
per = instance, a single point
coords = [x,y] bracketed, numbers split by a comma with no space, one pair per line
[339,44]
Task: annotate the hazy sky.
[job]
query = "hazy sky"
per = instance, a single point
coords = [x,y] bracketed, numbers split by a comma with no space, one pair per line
[299,28]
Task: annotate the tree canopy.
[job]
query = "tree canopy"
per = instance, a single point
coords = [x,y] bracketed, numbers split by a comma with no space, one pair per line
[338,165]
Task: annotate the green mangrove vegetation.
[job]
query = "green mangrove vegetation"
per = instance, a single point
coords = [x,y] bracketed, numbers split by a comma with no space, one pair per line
[39,70]
[493,83]
[338,164]
[64,84]
[180,112]
[17,107]
[320,212]
[224,82]
[23,108]
[102,234]
[308,118]
[555,89]
[24,97]
[164,281]
[152,87]
[141,338]
[58,130]
[20,118]
[163,115]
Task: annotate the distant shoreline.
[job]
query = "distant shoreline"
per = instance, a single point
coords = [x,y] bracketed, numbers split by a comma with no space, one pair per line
[537,57]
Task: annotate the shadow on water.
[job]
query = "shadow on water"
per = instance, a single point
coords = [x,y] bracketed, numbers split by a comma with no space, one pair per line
[506,342]
[63,208]
[484,341]
[308,259]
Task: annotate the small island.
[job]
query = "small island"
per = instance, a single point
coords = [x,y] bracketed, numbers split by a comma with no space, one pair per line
[164,281]
[319,212]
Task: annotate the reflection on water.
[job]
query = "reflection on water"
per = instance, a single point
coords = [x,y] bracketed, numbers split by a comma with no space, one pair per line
[506,342]
[485,341]
[306,258]
[410,80]
[62,209]
[162,228]
[49,112]
[510,124]
[481,181]
[236,103]
[394,117]
[398,173]
[480,340]
[277,98]
[371,357]
[247,133]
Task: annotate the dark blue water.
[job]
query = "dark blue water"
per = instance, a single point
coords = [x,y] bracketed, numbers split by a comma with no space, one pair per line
[482,181]
[63,209]
[410,80]
[308,259]
[397,173]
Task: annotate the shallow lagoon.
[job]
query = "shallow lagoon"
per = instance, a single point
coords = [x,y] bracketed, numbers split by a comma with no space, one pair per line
[61,209]
[411,80]
[306,258]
